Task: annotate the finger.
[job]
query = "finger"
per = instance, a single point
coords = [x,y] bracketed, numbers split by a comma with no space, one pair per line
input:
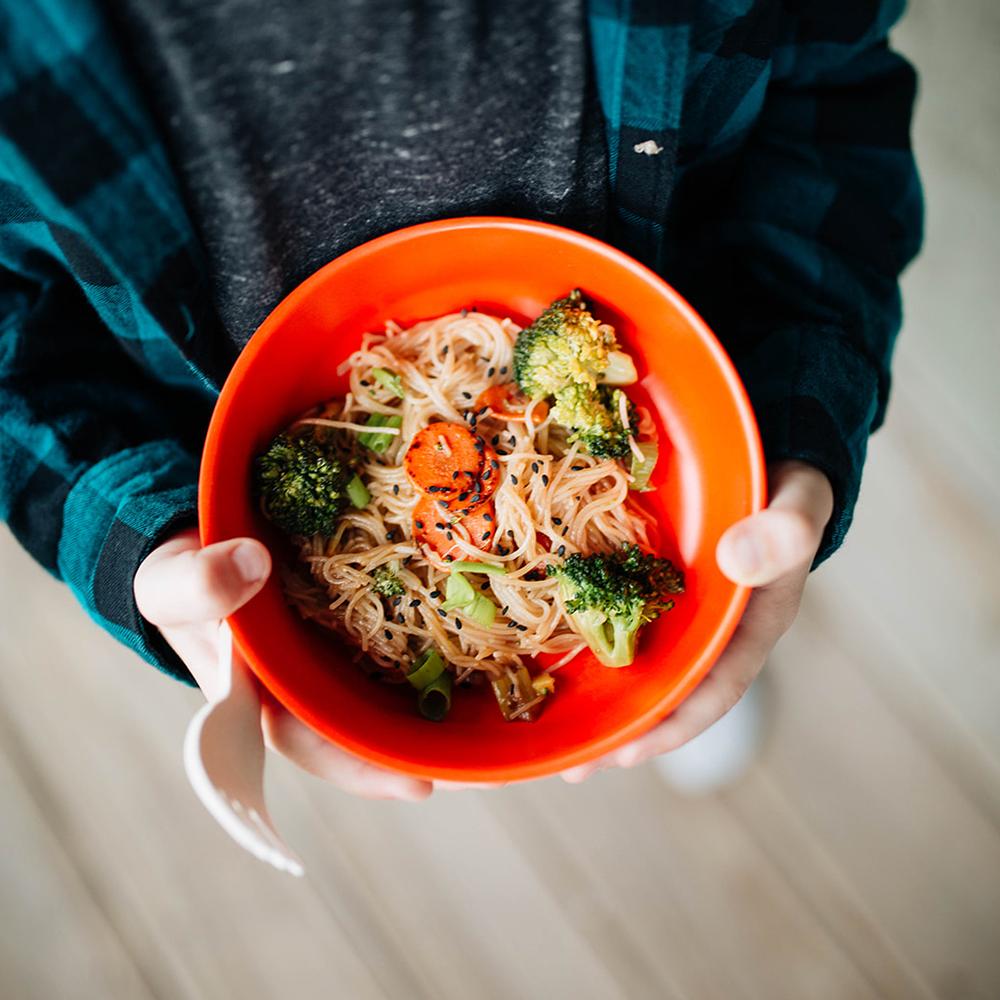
[180,583]
[762,548]
[310,751]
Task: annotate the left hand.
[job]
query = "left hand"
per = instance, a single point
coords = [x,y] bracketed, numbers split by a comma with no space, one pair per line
[772,552]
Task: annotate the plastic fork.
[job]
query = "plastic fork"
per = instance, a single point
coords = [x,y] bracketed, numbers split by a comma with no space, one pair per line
[224,759]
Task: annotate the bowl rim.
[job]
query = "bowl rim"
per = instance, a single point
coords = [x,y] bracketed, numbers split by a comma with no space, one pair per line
[592,748]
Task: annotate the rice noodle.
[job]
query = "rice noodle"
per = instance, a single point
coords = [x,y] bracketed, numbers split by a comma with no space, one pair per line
[548,490]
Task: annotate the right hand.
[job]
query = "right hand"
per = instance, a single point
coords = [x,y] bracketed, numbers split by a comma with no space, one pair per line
[185,591]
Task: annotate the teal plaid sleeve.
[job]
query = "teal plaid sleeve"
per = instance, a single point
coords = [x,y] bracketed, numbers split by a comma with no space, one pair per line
[783,200]
[106,377]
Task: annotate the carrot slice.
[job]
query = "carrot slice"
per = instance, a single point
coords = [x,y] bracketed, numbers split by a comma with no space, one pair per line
[444,458]
[507,402]
[432,525]
[479,489]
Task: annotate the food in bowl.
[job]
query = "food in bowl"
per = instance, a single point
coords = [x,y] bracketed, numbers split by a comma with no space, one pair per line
[469,512]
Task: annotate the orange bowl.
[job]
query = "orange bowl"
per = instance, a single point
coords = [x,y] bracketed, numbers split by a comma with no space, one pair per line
[710,474]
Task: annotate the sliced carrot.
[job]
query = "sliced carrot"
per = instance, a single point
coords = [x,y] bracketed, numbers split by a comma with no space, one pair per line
[444,459]
[507,402]
[479,489]
[432,525]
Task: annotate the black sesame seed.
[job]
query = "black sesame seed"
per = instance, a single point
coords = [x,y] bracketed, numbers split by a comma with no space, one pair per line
[387,633]
[443,503]
[510,532]
[494,463]
[534,466]
[563,532]
[365,383]
[504,609]
[545,479]
[501,550]
[487,474]
[401,619]
[521,628]
[435,594]
[513,441]
[468,395]
[450,536]
[513,479]
[395,489]
[561,551]
[444,350]
[420,525]
[481,410]
[442,612]
[503,370]
[449,558]
[485,536]
[415,603]
[485,585]
[557,521]
[487,517]
[440,525]
[500,451]
[476,497]
[576,468]
[458,623]
[511,624]
[490,372]
[395,601]
[480,444]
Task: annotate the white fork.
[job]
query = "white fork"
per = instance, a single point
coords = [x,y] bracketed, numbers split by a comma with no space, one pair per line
[224,759]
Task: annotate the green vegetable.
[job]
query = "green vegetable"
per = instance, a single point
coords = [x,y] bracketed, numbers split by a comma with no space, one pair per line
[465,566]
[304,485]
[376,442]
[641,471]
[566,346]
[458,592]
[609,597]
[389,380]
[594,415]
[357,492]
[434,700]
[514,693]
[427,668]
[482,610]
[386,583]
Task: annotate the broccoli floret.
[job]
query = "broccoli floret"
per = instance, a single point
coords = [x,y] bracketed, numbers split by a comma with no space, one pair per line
[609,597]
[386,583]
[305,486]
[594,416]
[566,346]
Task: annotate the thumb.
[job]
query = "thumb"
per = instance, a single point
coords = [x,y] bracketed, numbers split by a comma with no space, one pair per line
[180,583]
[764,547]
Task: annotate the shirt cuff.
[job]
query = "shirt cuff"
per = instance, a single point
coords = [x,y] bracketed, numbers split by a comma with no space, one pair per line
[816,400]
[115,515]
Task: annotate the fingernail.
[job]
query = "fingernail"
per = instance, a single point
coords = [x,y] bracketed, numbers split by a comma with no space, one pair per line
[251,561]
[748,554]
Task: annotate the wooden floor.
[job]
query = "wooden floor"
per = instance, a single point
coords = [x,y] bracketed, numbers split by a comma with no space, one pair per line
[860,858]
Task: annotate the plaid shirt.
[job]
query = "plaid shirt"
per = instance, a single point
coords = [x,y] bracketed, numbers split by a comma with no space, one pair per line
[759,159]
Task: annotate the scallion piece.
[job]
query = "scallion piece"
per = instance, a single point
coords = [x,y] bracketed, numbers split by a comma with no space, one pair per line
[641,471]
[466,566]
[482,611]
[458,593]
[389,380]
[434,700]
[358,493]
[428,667]
[376,442]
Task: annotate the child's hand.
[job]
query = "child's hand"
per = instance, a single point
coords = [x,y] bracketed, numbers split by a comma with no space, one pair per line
[185,590]
[771,551]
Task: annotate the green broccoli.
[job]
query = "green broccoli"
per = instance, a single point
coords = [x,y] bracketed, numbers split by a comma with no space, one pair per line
[305,486]
[609,597]
[566,346]
[594,415]
[386,583]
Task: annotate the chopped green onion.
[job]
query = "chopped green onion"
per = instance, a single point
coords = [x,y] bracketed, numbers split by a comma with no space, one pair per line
[434,700]
[465,566]
[428,667]
[358,493]
[458,593]
[389,380]
[641,471]
[482,610]
[375,441]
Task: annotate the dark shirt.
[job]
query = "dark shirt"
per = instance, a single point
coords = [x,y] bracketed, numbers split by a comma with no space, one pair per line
[302,128]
